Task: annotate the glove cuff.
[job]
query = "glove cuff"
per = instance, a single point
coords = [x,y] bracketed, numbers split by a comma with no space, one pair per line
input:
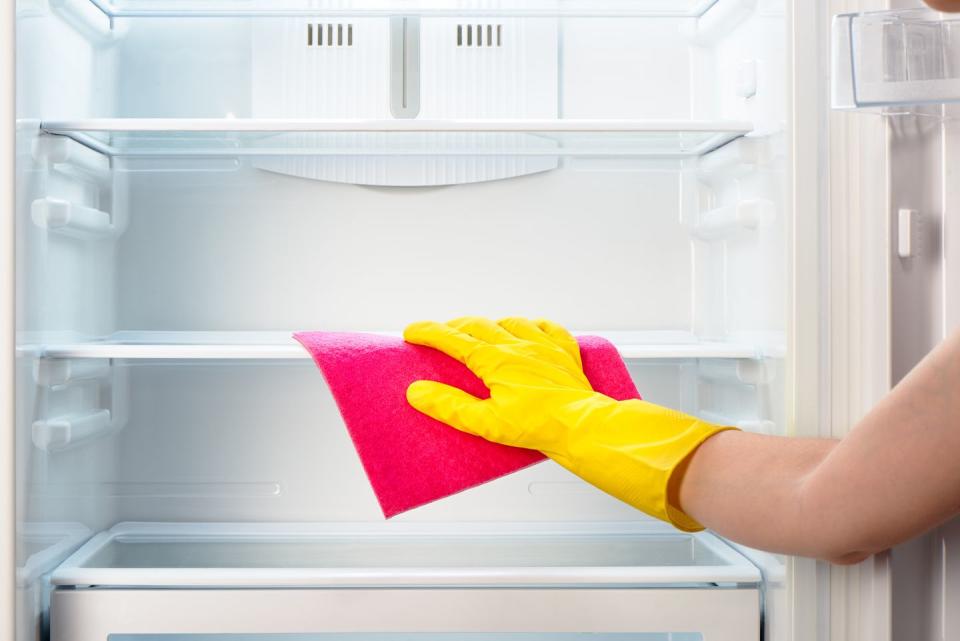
[637,452]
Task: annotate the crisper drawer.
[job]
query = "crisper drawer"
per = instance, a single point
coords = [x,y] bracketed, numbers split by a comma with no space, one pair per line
[396,581]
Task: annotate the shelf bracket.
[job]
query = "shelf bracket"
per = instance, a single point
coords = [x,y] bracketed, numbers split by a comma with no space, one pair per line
[723,222]
[70,219]
[68,430]
[73,157]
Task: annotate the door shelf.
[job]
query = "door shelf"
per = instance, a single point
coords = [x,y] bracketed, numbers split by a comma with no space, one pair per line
[231,137]
[369,8]
[281,346]
[890,59]
[399,554]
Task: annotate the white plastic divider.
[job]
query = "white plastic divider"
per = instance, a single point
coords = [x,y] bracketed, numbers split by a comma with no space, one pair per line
[281,346]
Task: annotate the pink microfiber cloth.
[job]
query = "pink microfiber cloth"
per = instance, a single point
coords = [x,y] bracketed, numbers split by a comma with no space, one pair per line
[410,458]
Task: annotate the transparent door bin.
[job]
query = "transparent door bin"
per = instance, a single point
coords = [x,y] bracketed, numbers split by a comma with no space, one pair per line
[895,59]
[396,581]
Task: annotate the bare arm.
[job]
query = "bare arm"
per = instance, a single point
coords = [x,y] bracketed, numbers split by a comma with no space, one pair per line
[895,476]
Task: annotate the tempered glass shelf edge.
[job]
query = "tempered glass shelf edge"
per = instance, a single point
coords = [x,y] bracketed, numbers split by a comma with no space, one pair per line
[149,137]
[278,125]
[710,559]
[280,346]
[384,8]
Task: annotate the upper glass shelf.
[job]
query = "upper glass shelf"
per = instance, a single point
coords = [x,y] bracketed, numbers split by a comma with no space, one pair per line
[895,59]
[134,137]
[287,8]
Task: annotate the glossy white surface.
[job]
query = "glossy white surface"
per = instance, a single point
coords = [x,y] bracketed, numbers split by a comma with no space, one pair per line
[93,615]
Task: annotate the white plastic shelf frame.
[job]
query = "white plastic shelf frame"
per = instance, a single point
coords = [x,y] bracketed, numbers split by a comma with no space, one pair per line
[144,138]
[891,59]
[524,8]
[281,346]
[143,578]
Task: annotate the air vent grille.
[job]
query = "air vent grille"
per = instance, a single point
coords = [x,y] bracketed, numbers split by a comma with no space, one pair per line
[479,35]
[329,34]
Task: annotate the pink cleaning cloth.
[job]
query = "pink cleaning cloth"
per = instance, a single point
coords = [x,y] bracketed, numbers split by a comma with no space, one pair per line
[410,458]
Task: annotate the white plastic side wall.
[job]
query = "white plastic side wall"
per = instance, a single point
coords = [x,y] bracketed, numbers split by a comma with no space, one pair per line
[61,60]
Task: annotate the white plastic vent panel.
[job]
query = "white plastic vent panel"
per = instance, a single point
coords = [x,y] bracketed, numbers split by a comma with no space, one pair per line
[483,69]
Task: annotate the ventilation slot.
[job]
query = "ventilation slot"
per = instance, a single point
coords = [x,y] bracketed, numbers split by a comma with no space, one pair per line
[329,35]
[479,35]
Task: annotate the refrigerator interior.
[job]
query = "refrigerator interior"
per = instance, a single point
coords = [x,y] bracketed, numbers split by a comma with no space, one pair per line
[196,180]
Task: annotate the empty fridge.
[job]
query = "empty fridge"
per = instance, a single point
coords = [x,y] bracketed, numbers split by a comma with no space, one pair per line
[195,180]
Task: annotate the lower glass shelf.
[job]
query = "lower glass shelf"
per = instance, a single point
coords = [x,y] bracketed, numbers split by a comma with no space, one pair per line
[150,345]
[192,555]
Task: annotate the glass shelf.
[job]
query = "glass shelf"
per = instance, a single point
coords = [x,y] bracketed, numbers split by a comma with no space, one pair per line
[401,554]
[519,8]
[281,346]
[144,138]
[895,59]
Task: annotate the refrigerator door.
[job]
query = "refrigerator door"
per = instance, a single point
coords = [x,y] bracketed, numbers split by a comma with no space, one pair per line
[894,185]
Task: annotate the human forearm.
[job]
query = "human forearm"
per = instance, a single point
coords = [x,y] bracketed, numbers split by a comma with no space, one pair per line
[749,487]
[895,476]
[892,478]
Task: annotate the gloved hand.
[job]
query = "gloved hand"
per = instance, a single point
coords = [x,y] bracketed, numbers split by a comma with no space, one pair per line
[541,400]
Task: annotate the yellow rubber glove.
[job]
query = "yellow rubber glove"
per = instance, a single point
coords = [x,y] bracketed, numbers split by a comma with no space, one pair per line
[541,400]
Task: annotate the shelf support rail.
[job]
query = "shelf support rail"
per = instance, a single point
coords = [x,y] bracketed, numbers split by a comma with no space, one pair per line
[63,431]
